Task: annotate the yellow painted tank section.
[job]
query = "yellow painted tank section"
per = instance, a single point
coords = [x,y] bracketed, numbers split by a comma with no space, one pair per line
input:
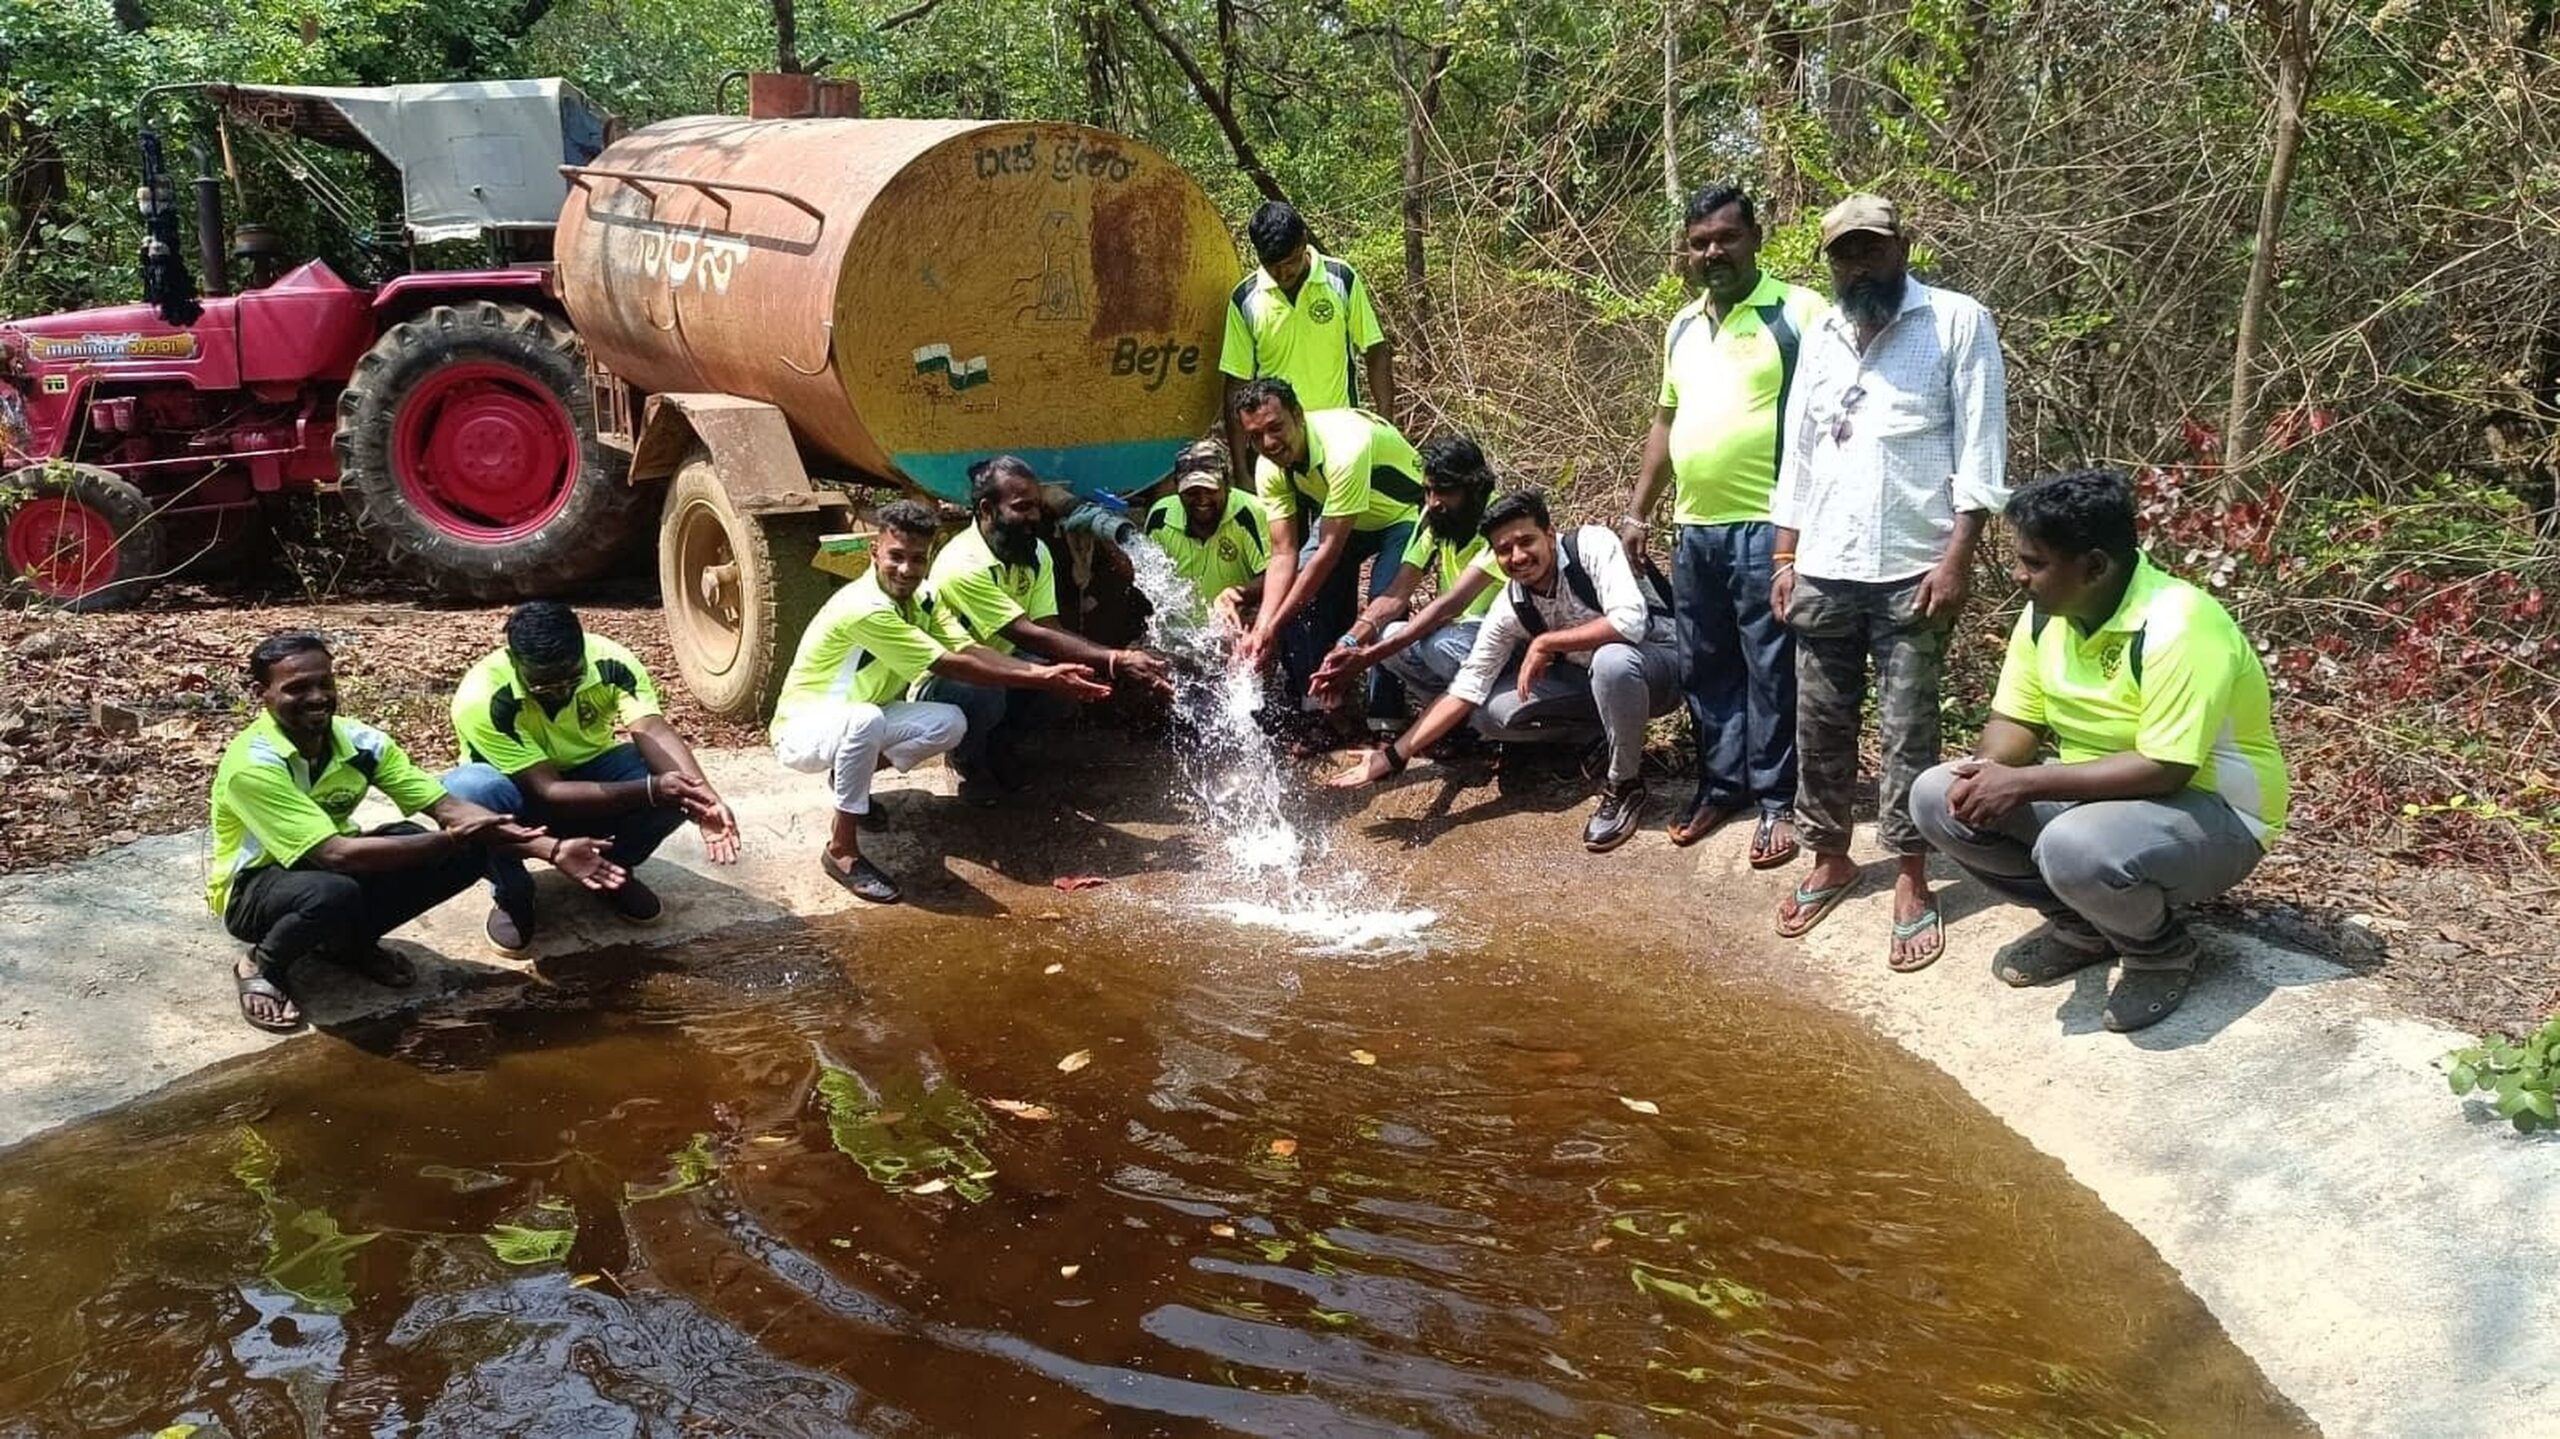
[920,294]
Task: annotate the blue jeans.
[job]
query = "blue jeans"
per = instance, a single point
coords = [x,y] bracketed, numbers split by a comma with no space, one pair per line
[1332,608]
[1427,667]
[1739,665]
[636,832]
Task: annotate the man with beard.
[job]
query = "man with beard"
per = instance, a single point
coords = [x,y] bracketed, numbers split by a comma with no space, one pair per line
[995,585]
[1305,318]
[843,710]
[1340,488]
[1727,365]
[292,876]
[1895,442]
[1423,653]
[1213,532]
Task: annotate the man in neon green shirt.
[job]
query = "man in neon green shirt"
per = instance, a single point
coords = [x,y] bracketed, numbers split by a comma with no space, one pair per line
[561,728]
[844,711]
[1341,488]
[1213,532]
[1727,363]
[1422,652]
[995,584]
[293,877]
[2169,787]
[1304,318]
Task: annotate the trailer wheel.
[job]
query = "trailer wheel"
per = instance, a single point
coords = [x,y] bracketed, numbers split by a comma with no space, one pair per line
[737,591]
[79,537]
[467,450]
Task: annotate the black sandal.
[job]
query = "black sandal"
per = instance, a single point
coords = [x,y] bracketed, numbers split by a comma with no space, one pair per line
[865,881]
[260,986]
[1763,857]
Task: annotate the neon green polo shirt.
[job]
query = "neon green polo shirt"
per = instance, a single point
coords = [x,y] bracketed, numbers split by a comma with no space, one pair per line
[1357,466]
[862,648]
[1235,552]
[1447,564]
[1315,342]
[2169,676]
[1725,385]
[497,723]
[270,809]
[975,595]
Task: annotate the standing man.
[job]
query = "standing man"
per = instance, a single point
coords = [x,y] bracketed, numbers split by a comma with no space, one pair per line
[561,728]
[1896,438]
[995,585]
[1574,599]
[1727,366]
[1304,318]
[2169,788]
[844,710]
[294,879]
[1341,488]
[1424,651]
[1213,532]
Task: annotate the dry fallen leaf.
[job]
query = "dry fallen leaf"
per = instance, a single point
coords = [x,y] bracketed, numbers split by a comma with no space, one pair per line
[1223,1231]
[1068,1271]
[1075,1061]
[887,1117]
[1601,1243]
[1055,969]
[1640,1106]
[1362,1056]
[931,1186]
[773,1139]
[1283,1148]
[1021,1109]
[583,1280]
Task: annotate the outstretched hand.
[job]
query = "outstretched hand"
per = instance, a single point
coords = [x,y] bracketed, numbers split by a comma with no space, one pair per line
[1146,669]
[719,826]
[1368,769]
[1074,681]
[489,828]
[589,862]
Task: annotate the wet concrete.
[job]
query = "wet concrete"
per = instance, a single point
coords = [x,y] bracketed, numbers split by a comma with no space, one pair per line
[2286,1145]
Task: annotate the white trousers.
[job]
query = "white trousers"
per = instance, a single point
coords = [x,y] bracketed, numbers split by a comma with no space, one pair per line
[847,742]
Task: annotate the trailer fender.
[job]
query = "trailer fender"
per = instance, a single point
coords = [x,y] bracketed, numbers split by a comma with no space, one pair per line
[750,445]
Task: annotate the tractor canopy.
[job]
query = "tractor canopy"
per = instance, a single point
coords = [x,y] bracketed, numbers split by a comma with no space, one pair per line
[473,155]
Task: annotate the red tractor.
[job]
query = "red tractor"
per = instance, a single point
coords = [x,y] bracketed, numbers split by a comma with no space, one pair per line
[453,409]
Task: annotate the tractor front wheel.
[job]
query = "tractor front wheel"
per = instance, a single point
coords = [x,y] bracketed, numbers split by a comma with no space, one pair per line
[79,537]
[467,450]
[737,590]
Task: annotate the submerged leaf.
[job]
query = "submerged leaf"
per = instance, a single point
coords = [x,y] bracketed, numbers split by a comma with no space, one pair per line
[1640,1106]
[521,1244]
[1075,1061]
[694,1167]
[1020,1109]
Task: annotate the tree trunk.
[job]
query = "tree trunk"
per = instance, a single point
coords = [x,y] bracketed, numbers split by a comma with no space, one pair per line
[1671,106]
[1219,110]
[786,37]
[1093,28]
[2292,22]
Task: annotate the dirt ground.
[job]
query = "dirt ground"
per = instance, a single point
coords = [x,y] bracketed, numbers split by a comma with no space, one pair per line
[110,726]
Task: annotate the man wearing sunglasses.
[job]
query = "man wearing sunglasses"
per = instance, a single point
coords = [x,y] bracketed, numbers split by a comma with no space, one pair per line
[1891,458]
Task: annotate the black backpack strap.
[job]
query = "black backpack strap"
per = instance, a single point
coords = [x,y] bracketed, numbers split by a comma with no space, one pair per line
[1578,576]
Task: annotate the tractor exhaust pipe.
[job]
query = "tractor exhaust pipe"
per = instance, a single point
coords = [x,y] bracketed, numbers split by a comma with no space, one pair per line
[211,261]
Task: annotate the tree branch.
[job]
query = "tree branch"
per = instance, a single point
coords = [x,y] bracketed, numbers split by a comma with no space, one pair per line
[1219,110]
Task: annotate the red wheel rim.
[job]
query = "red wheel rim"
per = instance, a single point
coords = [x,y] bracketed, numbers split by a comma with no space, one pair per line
[483,453]
[62,548]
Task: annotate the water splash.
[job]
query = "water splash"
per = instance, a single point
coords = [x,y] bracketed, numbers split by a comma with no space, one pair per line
[1269,875]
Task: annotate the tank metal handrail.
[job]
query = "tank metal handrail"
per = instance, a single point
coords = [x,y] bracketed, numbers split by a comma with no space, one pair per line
[641,180]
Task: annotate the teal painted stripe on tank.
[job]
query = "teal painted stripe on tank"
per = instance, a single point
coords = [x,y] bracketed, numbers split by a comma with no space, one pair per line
[1117,467]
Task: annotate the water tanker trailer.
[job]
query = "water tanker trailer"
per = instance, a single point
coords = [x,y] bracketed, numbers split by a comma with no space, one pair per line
[780,312]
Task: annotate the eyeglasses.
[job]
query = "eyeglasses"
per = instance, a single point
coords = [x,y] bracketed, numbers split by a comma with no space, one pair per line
[1840,430]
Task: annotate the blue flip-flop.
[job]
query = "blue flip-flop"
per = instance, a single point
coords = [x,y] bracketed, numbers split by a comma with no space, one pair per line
[1812,905]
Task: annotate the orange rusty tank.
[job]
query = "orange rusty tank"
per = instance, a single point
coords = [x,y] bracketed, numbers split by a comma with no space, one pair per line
[914,295]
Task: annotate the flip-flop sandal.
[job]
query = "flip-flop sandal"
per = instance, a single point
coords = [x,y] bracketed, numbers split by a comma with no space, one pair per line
[865,881]
[1811,906]
[260,986]
[385,968]
[1703,818]
[1910,929]
[1763,857]
[2046,956]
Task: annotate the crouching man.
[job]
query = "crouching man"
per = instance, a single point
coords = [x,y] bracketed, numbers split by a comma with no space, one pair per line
[294,879]
[843,710]
[2169,786]
[541,725]
[1574,639]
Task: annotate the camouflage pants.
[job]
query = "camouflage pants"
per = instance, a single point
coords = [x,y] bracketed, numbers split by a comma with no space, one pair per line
[1841,626]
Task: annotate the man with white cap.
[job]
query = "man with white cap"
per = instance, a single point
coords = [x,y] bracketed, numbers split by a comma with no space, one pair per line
[1214,532]
[1890,463]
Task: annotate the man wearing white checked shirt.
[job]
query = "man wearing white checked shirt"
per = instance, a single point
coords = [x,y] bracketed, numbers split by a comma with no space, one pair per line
[1889,464]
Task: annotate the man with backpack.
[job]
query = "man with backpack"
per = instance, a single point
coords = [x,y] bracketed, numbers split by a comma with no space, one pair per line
[1728,363]
[1580,637]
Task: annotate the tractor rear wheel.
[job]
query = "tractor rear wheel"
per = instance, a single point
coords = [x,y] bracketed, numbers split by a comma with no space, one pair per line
[467,450]
[737,590]
[79,537]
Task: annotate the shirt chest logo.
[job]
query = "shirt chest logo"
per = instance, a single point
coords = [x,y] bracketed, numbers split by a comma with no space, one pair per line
[588,712]
[2111,658]
[1227,550]
[1320,309]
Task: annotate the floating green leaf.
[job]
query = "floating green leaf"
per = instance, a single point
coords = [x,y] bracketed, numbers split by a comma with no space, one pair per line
[908,1135]
[694,1167]
[306,1250]
[525,1245]
[1719,1296]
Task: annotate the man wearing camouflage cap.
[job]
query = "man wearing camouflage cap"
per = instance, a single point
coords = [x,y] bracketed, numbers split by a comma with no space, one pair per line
[1890,459]
[1214,532]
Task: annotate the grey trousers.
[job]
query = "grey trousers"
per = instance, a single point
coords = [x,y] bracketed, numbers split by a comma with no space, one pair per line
[1428,664]
[2120,864]
[1625,686]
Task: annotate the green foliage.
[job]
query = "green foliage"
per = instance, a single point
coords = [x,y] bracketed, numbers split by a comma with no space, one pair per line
[910,1136]
[307,1252]
[694,1167]
[2518,1076]
[546,1242]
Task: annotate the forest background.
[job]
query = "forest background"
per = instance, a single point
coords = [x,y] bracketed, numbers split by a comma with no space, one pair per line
[2294,263]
